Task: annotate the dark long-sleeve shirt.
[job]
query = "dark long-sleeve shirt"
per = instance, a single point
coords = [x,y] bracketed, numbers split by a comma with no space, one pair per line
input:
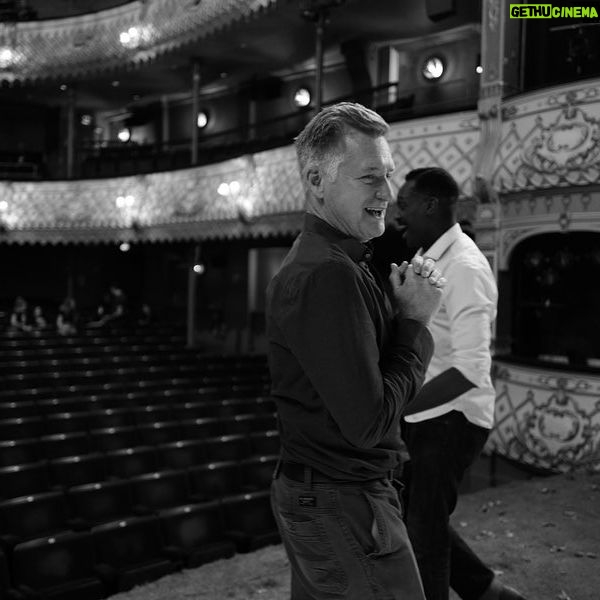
[342,366]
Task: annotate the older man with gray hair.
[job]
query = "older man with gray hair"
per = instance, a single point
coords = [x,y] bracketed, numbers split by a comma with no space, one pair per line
[345,360]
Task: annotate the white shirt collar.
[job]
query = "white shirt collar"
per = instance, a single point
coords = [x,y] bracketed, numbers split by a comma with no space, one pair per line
[439,247]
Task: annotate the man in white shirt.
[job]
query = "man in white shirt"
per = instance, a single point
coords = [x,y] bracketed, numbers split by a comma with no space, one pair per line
[446,426]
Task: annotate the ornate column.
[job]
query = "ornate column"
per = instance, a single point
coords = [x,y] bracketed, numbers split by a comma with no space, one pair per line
[165,129]
[70,148]
[195,108]
[500,57]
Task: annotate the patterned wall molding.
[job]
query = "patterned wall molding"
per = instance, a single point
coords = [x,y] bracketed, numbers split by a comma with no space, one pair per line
[546,418]
[87,43]
[550,139]
[447,141]
[527,214]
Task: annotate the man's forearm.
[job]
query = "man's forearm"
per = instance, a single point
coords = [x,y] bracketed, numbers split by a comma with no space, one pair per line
[441,389]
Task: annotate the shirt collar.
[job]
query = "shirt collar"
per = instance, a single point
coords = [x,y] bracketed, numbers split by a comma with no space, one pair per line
[356,250]
[439,247]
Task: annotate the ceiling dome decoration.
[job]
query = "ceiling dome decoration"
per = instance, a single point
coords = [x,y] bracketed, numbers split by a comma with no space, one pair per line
[74,46]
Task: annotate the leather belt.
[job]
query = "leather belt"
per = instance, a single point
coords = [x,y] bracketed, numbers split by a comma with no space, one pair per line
[297,472]
[305,474]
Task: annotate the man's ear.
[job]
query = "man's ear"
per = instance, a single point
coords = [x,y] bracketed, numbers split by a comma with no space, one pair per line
[432,205]
[314,181]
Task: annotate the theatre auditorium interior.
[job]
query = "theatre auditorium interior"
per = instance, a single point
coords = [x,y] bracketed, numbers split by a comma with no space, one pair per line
[149,190]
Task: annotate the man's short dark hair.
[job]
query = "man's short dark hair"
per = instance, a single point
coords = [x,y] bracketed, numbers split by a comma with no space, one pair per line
[436,182]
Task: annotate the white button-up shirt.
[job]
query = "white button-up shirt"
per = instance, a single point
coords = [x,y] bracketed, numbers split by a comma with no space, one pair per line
[462,327]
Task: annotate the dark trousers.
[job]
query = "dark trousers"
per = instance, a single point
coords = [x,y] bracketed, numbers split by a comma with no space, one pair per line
[441,450]
[345,541]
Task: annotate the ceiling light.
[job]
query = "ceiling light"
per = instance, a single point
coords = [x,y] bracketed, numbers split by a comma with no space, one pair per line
[3,205]
[130,38]
[124,247]
[202,120]
[86,120]
[433,68]
[302,97]
[115,83]
[63,87]
[124,135]
[8,57]
[199,268]
[125,201]
[479,69]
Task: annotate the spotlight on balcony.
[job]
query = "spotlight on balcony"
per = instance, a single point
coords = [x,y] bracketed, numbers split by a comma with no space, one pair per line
[202,119]
[433,68]
[302,97]
[124,135]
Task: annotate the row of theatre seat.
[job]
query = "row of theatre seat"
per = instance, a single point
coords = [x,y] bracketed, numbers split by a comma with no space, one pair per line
[116,472]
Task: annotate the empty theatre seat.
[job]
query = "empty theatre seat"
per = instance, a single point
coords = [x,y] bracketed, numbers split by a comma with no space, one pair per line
[195,533]
[153,434]
[105,418]
[228,447]
[265,404]
[23,480]
[114,438]
[30,517]
[60,567]
[51,406]
[129,462]
[249,423]
[103,502]
[182,454]
[66,423]
[249,521]
[16,452]
[152,413]
[264,443]
[77,470]
[15,410]
[163,489]
[216,479]
[6,591]
[230,407]
[199,429]
[130,552]
[196,410]
[65,444]
[21,427]
[257,472]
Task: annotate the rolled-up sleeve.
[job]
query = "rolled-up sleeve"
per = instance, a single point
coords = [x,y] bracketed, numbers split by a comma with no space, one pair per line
[328,325]
[470,303]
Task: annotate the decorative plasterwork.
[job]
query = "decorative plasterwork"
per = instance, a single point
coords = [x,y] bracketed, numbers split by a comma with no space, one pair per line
[187,203]
[546,418]
[76,45]
[550,139]
[561,210]
[447,141]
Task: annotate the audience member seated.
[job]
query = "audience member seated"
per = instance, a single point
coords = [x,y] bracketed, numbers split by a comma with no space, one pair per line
[145,316]
[112,309]
[39,322]
[19,320]
[66,319]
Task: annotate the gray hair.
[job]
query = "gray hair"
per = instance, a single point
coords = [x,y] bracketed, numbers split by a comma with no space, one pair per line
[321,140]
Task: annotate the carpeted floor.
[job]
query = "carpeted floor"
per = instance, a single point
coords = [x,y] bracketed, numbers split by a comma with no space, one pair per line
[541,536]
